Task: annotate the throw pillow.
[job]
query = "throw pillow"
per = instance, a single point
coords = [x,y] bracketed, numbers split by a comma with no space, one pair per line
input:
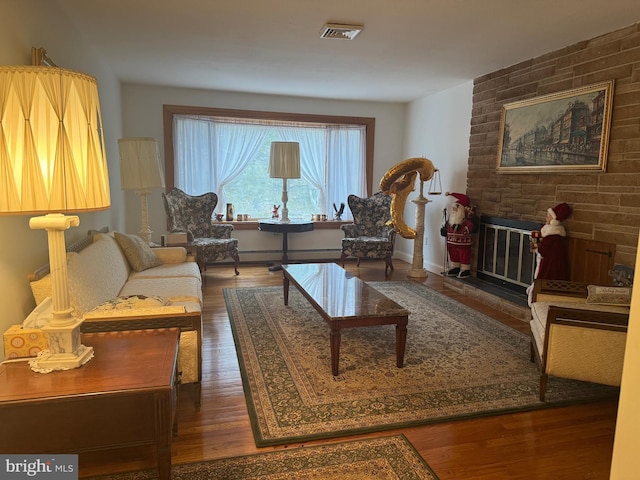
[609,295]
[139,255]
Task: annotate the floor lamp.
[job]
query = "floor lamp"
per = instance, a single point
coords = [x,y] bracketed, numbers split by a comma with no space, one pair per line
[141,170]
[284,163]
[52,162]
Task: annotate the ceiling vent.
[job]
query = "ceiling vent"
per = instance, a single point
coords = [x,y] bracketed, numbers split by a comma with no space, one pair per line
[340,31]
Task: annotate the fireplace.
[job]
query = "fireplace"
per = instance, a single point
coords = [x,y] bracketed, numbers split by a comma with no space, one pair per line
[504,257]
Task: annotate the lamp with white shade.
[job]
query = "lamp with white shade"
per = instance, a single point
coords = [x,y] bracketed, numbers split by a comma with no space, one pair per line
[52,161]
[141,170]
[284,163]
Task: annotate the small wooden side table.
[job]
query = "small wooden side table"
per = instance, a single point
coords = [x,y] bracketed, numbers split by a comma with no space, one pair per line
[285,228]
[125,396]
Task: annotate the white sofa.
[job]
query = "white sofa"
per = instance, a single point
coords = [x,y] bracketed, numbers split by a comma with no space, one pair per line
[578,332]
[163,290]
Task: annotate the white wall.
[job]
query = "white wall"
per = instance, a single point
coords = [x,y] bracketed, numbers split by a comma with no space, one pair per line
[40,23]
[142,116]
[438,128]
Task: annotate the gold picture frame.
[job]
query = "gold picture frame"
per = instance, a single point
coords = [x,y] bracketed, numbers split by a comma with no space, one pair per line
[560,132]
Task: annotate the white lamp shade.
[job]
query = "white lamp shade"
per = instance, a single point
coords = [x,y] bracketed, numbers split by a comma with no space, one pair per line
[52,153]
[140,167]
[284,161]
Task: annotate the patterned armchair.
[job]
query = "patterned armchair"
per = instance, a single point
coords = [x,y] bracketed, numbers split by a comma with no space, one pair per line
[371,235]
[192,214]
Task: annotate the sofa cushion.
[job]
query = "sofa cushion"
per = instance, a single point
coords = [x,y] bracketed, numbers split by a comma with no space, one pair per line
[139,255]
[96,274]
[185,269]
[171,254]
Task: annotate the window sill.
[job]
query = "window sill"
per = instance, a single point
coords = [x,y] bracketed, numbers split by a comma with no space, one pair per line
[253,224]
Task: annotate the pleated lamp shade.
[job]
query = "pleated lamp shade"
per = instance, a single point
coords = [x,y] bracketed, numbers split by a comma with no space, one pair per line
[140,166]
[284,161]
[52,153]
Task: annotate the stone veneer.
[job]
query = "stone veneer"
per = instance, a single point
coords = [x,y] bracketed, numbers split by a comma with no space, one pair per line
[606,206]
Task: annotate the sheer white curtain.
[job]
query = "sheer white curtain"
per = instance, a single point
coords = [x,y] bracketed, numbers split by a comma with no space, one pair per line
[236,144]
[193,167]
[209,154]
[312,148]
[346,165]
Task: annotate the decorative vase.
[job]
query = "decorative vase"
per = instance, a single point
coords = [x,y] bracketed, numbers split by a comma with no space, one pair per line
[229,212]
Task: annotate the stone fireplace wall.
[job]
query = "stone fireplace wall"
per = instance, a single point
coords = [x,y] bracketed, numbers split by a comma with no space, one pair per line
[606,206]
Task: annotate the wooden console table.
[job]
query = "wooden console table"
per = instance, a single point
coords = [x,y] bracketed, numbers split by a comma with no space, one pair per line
[124,396]
[285,228]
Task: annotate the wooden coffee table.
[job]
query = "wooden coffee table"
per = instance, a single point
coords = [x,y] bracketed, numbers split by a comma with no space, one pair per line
[125,396]
[345,301]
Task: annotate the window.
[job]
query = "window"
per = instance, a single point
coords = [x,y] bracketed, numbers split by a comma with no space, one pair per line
[227,152]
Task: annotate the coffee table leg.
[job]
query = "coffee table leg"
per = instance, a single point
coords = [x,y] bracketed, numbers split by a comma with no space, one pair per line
[285,284]
[335,350]
[401,341]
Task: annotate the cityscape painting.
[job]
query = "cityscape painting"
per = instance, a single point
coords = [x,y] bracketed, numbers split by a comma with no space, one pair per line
[561,132]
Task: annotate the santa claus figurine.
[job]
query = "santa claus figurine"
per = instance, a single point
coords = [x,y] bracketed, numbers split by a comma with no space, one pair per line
[459,230]
[552,262]
[550,246]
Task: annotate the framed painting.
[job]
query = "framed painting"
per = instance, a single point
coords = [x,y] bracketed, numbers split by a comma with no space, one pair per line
[562,132]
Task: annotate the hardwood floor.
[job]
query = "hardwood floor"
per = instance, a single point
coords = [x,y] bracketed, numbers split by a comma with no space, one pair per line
[574,442]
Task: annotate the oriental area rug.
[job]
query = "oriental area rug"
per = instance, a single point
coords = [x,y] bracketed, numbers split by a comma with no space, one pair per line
[458,364]
[384,458]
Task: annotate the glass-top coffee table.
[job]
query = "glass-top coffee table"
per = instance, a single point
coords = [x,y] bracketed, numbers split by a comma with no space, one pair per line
[345,301]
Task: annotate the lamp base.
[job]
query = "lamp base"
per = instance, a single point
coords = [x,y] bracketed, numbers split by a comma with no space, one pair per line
[65,349]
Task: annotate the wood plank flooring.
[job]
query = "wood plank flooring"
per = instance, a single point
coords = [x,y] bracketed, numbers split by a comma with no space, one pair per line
[563,443]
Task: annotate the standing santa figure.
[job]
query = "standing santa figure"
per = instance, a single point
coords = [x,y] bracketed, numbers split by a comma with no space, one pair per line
[550,247]
[459,230]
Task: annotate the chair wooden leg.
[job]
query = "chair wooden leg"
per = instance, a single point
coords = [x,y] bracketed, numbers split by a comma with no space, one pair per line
[236,259]
[532,352]
[342,259]
[388,265]
[543,386]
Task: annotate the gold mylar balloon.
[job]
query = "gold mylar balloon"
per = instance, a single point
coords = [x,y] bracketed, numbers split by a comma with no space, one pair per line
[399,182]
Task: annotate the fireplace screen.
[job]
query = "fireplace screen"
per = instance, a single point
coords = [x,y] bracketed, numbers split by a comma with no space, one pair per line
[504,256]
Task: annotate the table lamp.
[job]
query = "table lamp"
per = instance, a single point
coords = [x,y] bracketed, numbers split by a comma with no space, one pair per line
[141,170]
[52,161]
[284,163]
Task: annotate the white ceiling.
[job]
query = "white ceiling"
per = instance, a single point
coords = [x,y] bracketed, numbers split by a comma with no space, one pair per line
[408,49]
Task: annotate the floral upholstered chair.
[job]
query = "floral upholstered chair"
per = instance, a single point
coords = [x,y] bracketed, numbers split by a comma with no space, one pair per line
[371,235]
[192,214]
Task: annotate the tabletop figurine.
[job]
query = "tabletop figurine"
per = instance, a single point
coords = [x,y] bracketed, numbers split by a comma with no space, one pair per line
[274,212]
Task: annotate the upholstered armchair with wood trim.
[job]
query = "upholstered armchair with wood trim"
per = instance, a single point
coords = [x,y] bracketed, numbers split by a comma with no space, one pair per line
[371,235]
[193,215]
[578,331]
